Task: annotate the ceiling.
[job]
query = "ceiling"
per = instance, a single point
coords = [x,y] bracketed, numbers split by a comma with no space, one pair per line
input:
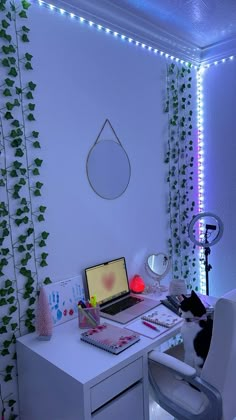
[197,29]
[202,22]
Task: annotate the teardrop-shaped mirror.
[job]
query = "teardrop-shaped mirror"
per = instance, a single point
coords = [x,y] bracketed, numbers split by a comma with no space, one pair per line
[108,169]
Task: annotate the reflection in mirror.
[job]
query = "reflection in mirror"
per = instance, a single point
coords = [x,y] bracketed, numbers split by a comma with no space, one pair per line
[108,169]
[157,266]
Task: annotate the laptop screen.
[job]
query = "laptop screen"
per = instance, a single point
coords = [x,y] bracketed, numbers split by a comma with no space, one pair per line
[107,281]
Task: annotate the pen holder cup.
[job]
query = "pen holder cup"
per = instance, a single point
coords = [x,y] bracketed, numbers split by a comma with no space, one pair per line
[89,317]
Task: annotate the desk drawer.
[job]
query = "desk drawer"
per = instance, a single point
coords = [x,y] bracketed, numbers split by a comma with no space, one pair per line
[126,406]
[115,384]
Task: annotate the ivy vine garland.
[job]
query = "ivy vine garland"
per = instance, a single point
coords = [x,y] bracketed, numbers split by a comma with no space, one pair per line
[22,240]
[181,174]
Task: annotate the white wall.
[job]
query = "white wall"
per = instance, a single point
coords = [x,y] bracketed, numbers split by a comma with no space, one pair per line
[84,76]
[220,173]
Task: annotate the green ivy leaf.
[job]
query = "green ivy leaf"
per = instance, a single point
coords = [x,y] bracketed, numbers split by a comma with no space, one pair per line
[31,106]
[5,232]
[10,290]
[3,302]
[24,38]
[5,24]
[12,309]
[14,325]
[9,82]
[47,280]
[44,235]
[9,106]
[8,283]
[43,263]
[3,330]
[29,246]
[21,248]
[5,62]
[5,49]
[30,231]
[5,352]
[7,92]
[35,134]
[41,218]
[42,243]
[25,29]
[11,300]
[32,300]
[8,116]
[38,162]
[5,251]
[19,152]
[18,90]
[28,56]
[30,117]
[23,202]
[12,72]
[36,144]
[42,209]
[6,320]
[29,95]
[23,14]
[31,328]
[6,344]
[37,193]
[17,164]
[22,181]
[11,403]
[22,238]
[32,85]
[12,60]
[28,66]
[39,185]
[35,171]
[25,4]
[2,183]
[15,123]
[16,142]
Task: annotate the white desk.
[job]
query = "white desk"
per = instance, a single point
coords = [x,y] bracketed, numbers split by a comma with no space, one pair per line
[67,379]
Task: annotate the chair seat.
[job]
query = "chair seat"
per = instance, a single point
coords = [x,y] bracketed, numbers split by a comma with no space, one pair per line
[177,390]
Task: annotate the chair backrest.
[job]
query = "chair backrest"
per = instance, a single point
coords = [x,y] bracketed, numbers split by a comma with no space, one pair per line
[220,366]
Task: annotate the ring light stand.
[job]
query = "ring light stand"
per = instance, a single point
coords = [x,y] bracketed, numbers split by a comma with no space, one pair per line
[217,226]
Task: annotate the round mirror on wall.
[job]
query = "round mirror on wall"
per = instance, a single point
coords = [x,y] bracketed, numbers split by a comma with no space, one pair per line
[157,266]
[108,165]
[108,169]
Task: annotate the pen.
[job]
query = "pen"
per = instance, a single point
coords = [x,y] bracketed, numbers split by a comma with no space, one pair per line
[150,326]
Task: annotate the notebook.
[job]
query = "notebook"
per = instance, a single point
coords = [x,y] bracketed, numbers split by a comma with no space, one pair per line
[110,338]
[109,283]
[162,316]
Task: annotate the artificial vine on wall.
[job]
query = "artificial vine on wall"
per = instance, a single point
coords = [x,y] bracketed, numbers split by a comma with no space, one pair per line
[22,239]
[181,171]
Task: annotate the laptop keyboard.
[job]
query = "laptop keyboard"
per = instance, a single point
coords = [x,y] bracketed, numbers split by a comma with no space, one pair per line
[120,306]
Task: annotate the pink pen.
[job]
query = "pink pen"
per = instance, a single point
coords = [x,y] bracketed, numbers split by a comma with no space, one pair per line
[150,326]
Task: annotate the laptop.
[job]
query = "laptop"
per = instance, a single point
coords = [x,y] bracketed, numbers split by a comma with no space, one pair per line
[109,283]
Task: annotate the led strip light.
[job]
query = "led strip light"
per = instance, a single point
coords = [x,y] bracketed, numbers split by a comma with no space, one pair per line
[200,162]
[200,120]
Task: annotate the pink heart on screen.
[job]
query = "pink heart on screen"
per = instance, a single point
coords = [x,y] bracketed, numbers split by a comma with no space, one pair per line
[108,280]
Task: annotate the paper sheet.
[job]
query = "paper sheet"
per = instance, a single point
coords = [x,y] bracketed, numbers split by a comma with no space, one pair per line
[139,327]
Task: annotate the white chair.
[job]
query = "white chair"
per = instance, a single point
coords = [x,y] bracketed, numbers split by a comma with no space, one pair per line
[215,396]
